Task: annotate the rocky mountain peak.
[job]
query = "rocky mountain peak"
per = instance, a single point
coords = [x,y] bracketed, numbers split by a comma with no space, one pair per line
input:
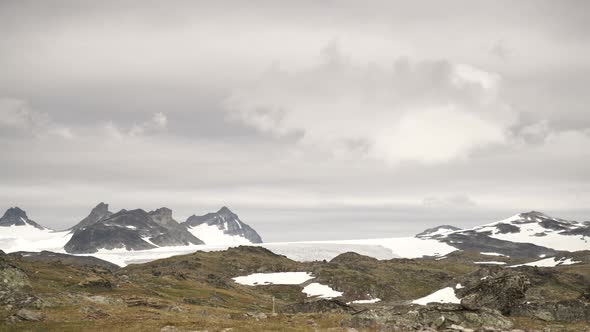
[15,216]
[98,213]
[100,208]
[226,222]
[162,216]
[224,210]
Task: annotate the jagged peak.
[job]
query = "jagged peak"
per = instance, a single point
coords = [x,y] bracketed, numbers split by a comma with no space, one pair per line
[15,211]
[224,210]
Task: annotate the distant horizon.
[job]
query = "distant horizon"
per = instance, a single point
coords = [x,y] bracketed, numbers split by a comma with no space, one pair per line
[385,221]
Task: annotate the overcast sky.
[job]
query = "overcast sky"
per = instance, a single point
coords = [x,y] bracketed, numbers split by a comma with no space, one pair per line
[310,119]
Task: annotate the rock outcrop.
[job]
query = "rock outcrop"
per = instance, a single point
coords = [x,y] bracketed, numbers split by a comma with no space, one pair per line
[17,217]
[502,292]
[432,316]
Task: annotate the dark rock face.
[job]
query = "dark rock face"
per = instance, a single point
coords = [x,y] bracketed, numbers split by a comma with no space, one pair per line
[502,292]
[507,228]
[437,316]
[133,230]
[322,305]
[100,212]
[176,233]
[17,217]
[226,221]
[474,241]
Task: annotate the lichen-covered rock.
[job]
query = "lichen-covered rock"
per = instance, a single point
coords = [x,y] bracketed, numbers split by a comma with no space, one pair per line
[15,287]
[96,281]
[436,316]
[29,315]
[570,311]
[501,292]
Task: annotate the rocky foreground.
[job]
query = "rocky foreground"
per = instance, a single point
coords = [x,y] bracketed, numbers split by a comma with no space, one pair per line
[58,292]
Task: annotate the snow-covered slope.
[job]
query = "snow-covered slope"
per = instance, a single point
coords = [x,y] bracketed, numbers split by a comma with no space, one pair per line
[532,227]
[221,228]
[19,233]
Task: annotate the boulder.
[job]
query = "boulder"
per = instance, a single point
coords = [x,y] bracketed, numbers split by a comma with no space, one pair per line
[29,315]
[96,281]
[501,292]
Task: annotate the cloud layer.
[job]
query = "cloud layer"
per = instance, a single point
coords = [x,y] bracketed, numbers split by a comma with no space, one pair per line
[302,115]
[425,111]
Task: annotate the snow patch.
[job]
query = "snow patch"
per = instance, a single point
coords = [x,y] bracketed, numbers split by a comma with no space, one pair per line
[491,263]
[276,278]
[445,295]
[492,254]
[549,262]
[364,301]
[322,291]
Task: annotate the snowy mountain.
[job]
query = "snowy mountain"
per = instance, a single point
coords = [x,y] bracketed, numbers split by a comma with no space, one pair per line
[222,227]
[19,233]
[17,217]
[524,234]
[124,231]
[132,230]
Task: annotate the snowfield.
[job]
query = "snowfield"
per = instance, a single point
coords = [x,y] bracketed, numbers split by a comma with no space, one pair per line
[212,235]
[30,238]
[298,251]
[529,226]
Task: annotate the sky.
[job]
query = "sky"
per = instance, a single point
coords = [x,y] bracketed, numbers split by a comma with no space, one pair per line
[310,119]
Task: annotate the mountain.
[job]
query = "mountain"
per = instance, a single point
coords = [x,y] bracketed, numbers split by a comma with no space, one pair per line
[16,217]
[100,212]
[132,230]
[522,235]
[222,227]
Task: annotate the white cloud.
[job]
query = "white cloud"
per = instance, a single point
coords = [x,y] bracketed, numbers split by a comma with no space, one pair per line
[16,116]
[155,124]
[428,111]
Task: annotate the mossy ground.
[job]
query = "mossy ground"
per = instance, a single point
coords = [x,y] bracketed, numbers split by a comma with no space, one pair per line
[195,291]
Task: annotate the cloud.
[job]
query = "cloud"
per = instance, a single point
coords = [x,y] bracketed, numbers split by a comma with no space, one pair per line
[16,117]
[155,124]
[424,111]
